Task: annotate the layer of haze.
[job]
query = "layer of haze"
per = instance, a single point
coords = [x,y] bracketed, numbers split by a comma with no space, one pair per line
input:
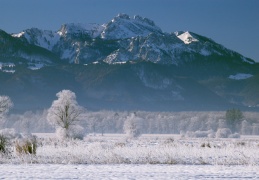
[232,23]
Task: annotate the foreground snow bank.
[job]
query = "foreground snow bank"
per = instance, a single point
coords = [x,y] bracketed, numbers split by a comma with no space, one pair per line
[41,171]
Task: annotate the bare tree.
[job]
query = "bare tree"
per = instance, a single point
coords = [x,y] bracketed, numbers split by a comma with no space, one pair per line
[64,114]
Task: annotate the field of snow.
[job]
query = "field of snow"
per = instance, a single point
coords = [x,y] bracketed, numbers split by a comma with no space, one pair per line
[147,171]
[148,149]
[113,156]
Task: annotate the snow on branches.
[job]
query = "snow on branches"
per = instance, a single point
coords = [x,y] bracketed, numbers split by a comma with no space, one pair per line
[64,115]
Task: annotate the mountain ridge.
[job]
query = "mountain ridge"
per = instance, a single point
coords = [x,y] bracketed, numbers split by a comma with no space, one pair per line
[76,43]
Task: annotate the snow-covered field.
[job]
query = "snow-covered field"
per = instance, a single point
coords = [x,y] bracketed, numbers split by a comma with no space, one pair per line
[148,149]
[112,156]
[122,171]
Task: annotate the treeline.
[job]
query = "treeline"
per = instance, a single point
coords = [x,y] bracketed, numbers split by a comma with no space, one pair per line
[148,122]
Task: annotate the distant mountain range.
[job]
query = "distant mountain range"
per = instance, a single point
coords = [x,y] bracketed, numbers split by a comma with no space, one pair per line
[128,63]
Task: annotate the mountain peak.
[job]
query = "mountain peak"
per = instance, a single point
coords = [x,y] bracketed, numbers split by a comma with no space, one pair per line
[146,20]
[123,26]
[122,16]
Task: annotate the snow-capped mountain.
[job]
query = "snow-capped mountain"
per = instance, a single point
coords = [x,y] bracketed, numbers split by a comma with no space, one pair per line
[127,63]
[123,39]
[14,52]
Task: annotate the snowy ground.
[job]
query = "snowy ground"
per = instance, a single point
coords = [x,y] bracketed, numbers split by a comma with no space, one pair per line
[148,149]
[112,156]
[50,171]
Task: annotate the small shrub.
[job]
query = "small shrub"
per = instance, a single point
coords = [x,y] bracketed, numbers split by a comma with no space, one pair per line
[241,143]
[26,145]
[3,143]
[203,145]
[169,140]
[120,144]
[223,133]
[206,145]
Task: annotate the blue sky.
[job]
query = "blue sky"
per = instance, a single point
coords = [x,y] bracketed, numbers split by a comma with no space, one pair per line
[232,23]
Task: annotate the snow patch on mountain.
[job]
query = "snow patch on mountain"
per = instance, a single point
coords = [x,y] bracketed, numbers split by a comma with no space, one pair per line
[18,34]
[43,38]
[9,71]
[248,61]
[10,65]
[117,57]
[240,76]
[35,66]
[120,63]
[187,38]
[48,40]
[7,67]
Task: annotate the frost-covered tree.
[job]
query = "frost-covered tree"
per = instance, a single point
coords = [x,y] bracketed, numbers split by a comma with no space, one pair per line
[64,115]
[234,118]
[132,126]
[5,105]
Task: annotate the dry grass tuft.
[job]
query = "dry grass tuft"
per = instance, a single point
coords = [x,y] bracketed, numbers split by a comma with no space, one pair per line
[26,146]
